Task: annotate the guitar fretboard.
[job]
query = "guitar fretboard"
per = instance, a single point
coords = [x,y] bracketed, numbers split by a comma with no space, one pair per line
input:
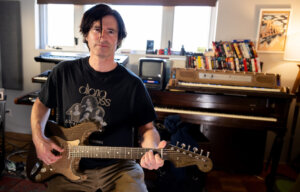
[111,152]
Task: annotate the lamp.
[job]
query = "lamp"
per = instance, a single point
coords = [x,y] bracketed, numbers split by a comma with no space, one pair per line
[292,48]
[292,53]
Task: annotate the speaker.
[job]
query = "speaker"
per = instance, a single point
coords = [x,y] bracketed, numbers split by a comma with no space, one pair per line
[11,45]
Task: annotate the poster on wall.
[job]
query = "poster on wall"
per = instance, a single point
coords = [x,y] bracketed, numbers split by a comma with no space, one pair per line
[272,30]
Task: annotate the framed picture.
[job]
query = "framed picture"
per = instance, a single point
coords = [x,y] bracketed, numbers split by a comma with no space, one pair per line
[272,30]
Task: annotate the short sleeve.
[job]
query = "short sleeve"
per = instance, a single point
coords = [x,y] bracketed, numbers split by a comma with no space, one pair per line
[48,92]
[143,108]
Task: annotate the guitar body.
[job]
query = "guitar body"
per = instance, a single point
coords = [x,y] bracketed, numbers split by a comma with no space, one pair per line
[38,171]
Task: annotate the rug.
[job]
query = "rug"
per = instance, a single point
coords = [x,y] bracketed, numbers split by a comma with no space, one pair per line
[16,184]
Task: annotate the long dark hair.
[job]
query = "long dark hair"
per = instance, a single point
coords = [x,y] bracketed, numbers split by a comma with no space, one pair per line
[96,13]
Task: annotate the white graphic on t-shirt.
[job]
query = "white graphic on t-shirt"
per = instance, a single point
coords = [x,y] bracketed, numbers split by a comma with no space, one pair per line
[85,117]
[97,93]
[74,112]
[90,107]
[98,116]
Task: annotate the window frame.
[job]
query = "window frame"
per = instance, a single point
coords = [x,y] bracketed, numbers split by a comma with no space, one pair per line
[166,32]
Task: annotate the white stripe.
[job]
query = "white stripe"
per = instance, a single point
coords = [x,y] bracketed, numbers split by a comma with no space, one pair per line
[270,119]
[228,87]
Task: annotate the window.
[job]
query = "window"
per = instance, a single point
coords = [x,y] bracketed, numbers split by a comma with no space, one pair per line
[191,28]
[182,25]
[60,25]
[142,23]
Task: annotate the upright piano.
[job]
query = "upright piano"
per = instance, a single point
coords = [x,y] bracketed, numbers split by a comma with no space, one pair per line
[223,106]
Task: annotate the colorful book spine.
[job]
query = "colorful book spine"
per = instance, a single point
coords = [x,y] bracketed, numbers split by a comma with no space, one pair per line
[253,49]
[208,62]
[237,50]
[198,62]
[258,64]
[245,64]
[248,48]
[244,50]
[237,64]
[215,48]
[231,63]
[221,49]
[253,68]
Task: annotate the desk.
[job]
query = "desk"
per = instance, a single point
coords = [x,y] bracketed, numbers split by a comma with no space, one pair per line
[27,99]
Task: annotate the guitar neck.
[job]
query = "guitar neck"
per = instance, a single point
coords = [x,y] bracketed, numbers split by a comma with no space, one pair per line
[112,152]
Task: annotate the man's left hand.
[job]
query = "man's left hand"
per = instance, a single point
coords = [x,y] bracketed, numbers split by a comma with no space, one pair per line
[151,161]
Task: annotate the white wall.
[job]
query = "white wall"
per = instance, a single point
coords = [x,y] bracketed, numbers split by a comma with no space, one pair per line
[237,19]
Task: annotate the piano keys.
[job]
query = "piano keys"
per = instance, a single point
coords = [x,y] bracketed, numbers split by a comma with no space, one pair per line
[239,88]
[210,114]
[41,78]
[56,57]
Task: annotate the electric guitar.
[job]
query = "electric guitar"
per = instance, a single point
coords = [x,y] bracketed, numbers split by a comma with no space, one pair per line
[75,149]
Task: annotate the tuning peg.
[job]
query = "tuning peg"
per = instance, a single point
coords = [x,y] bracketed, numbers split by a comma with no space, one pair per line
[201,151]
[183,145]
[188,147]
[207,154]
[195,149]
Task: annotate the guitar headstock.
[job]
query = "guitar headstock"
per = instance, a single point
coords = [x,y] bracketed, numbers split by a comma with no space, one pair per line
[182,157]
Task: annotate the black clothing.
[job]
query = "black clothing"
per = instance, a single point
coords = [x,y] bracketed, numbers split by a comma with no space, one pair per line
[117,99]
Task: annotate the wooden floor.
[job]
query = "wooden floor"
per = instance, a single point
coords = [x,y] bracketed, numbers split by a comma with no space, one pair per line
[216,181]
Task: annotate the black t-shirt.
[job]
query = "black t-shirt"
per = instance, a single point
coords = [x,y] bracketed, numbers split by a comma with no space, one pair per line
[117,99]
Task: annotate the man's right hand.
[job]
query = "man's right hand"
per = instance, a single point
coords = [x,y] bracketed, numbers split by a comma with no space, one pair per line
[44,148]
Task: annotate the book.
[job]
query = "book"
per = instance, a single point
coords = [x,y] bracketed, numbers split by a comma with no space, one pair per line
[248,48]
[257,60]
[208,62]
[252,46]
[245,64]
[244,50]
[227,49]
[215,49]
[253,68]
[237,50]
[237,64]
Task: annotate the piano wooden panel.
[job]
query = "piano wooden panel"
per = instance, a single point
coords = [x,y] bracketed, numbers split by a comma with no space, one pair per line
[225,109]
[266,105]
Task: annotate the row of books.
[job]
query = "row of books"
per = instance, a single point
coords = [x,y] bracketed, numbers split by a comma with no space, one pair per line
[224,63]
[237,49]
[234,56]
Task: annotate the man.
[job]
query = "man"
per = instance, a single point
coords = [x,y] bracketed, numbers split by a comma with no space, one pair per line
[98,83]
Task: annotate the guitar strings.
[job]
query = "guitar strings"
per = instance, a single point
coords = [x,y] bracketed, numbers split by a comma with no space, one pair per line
[79,151]
[103,149]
